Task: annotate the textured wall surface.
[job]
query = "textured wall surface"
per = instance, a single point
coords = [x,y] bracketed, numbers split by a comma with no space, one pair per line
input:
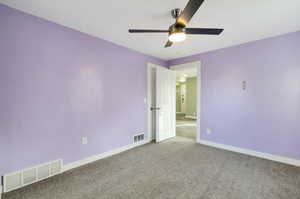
[266,116]
[57,85]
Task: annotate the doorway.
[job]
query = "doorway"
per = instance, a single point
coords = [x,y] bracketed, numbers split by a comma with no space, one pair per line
[173,101]
[187,100]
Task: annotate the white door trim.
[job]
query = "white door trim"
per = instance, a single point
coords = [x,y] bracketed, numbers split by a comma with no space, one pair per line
[149,102]
[198,64]
[149,99]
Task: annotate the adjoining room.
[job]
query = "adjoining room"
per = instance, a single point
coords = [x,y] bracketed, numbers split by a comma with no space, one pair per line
[186,100]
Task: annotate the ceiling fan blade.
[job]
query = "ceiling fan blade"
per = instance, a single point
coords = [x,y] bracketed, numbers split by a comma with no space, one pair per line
[204,31]
[168,44]
[146,31]
[189,11]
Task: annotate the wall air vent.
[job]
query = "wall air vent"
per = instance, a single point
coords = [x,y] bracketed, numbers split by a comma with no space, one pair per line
[12,181]
[138,138]
[28,176]
[56,167]
[43,171]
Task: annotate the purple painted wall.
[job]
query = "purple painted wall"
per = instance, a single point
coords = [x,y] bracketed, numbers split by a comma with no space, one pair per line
[266,116]
[57,85]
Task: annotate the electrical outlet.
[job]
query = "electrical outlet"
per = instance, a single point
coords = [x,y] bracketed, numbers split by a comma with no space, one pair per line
[208,131]
[84,140]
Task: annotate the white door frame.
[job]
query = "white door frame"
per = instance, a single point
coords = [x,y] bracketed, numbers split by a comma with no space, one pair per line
[149,99]
[198,64]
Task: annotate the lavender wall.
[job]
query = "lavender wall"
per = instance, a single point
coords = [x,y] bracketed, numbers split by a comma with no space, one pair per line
[57,85]
[266,116]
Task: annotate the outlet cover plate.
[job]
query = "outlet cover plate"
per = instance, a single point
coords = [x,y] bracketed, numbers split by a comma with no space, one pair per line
[84,140]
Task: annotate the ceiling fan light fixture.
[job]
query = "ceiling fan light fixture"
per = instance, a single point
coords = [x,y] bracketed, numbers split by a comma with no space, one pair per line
[182,79]
[178,31]
[177,37]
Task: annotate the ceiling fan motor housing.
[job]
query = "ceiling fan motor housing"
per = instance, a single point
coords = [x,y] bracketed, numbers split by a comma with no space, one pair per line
[175,13]
[176,28]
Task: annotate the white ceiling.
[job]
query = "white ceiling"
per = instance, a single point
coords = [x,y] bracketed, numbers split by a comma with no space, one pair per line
[243,21]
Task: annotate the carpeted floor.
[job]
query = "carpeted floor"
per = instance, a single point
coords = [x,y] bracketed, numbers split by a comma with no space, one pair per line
[186,128]
[177,168]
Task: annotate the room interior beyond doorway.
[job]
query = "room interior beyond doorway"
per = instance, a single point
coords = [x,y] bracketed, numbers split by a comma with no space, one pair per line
[186,101]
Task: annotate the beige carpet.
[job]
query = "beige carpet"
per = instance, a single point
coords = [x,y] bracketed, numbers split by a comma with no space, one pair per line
[186,128]
[177,168]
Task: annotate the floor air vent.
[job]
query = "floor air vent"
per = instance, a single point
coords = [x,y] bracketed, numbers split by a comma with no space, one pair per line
[28,176]
[138,138]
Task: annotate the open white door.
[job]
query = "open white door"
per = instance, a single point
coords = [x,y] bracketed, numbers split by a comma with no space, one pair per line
[165,103]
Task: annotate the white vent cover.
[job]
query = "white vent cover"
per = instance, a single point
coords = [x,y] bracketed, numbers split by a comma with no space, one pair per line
[43,171]
[56,167]
[28,176]
[138,138]
[13,181]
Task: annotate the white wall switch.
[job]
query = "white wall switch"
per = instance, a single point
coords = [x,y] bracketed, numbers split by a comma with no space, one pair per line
[208,131]
[84,140]
[145,100]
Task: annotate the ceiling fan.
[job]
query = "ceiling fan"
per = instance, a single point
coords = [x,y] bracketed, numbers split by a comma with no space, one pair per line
[178,31]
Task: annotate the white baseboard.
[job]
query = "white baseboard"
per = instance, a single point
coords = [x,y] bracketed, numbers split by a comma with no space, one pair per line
[267,156]
[101,156]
